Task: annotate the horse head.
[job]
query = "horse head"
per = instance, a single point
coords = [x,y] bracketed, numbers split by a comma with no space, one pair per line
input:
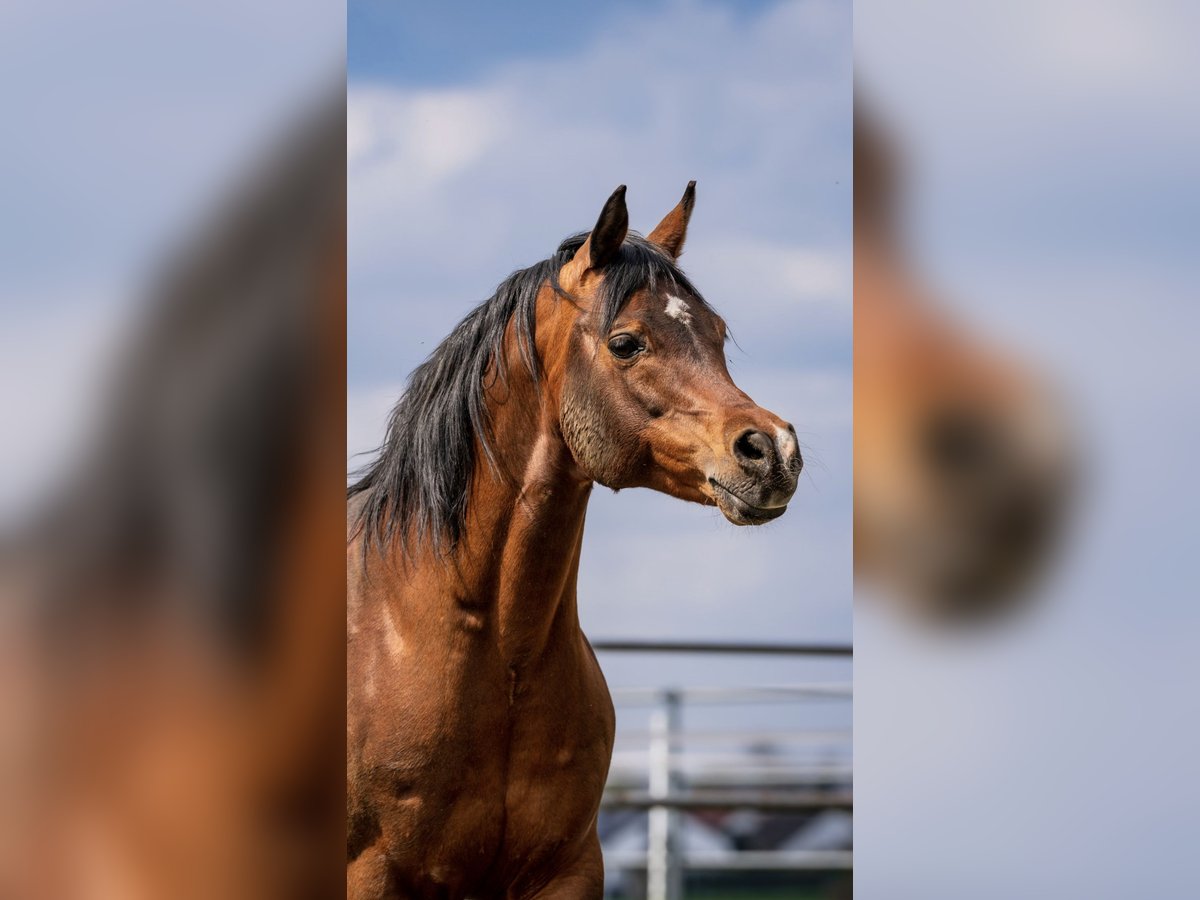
[646,399]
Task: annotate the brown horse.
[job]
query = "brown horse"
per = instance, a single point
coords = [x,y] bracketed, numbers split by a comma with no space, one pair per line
[480,727]
[960,456]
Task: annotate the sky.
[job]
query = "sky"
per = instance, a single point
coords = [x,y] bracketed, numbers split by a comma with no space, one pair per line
[470,157]
[428,44]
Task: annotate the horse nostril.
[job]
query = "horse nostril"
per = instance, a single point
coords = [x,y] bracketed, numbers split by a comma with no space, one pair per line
[752,446]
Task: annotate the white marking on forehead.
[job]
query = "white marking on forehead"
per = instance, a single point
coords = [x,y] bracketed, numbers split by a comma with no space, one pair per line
[678,309]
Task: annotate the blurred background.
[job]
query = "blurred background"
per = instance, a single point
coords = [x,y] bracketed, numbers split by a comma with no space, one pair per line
[1045,173]
[172,283]
[473,152]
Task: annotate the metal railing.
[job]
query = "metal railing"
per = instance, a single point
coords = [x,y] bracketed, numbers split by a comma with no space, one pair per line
[667,798]
[759,649]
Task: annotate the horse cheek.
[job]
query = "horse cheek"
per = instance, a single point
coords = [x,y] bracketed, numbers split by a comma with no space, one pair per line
[593,432]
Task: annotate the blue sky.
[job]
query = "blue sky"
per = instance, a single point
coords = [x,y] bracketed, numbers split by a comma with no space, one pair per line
[462,40]
[472,152]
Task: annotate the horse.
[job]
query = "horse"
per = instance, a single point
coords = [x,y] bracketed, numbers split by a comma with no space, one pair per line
[479,725]
[962,460]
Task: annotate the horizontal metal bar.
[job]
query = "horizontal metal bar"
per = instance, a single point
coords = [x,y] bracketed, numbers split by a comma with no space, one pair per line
[626,774]
[779,736]
[773,693]
[789,860]
[714,766]
[624,646]
[778,801]
[748,781]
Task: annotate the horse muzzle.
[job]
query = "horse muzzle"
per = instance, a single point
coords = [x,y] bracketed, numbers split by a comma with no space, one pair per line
[759,476]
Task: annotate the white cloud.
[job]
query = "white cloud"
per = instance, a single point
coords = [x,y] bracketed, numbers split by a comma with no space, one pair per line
[795,274]
[398,140]
[756,110]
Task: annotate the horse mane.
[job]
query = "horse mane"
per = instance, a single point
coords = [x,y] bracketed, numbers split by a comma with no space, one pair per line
[418,484]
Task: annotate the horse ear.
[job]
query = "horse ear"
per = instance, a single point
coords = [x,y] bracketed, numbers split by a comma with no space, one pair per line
[611,228]
[672,230]
[603,242]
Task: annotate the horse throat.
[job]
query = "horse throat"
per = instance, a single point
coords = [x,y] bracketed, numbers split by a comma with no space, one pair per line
[531,534]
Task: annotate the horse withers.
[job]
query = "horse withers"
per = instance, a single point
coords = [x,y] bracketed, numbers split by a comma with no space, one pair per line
[480,727]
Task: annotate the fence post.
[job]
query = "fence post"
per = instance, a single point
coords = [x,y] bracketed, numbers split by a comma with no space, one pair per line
[664,874]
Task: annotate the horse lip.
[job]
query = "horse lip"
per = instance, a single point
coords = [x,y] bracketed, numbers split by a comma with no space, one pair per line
[747,509]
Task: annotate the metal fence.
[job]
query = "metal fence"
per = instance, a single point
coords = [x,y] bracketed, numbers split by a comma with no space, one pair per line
[758,785]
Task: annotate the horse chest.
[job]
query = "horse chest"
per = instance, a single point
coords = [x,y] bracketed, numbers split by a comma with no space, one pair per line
[560,745]
[491,776]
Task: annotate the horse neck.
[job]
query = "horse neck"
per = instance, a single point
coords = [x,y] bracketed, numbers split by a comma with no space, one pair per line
[511,577]
[525,533]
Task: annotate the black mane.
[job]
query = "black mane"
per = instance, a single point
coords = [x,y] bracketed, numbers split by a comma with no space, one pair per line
[419,482]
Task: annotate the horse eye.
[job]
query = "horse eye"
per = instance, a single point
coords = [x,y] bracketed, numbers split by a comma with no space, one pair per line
[624,346]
